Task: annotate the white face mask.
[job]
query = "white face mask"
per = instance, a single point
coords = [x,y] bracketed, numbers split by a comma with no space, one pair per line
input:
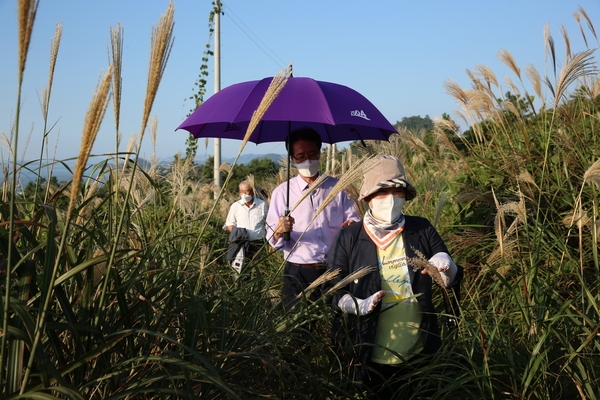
[308,168]
[388,208]
[246,198]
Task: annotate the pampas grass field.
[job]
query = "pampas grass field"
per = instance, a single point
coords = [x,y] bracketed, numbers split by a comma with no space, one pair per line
[114,284]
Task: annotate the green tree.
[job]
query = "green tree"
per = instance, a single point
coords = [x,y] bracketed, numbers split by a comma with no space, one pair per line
[261,168]
[415,123]
[205,173]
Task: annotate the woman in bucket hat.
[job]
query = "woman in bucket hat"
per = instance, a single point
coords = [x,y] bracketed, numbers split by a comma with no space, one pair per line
[393,242]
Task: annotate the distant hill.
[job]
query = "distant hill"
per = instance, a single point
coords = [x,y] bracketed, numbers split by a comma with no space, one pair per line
[63,172]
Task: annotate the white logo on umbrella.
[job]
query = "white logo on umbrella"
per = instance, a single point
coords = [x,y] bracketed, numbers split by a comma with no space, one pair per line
[359,113]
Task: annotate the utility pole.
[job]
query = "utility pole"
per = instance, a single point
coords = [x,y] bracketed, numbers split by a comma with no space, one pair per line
[217,58]
[333,153]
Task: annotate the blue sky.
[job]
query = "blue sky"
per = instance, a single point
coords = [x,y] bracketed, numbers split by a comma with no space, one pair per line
[396,53]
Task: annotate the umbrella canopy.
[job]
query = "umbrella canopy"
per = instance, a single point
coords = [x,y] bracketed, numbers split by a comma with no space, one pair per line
[338,113]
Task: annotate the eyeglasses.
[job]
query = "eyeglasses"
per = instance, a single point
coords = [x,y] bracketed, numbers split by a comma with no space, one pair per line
[311,155]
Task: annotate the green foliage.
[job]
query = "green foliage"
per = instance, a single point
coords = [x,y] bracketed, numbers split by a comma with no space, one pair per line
[191,147]
[415,123]
[263,169]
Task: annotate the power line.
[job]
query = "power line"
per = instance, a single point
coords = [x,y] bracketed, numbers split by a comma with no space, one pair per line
[260,45]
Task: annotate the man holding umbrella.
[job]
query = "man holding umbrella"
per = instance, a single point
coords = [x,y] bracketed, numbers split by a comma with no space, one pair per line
[309,242]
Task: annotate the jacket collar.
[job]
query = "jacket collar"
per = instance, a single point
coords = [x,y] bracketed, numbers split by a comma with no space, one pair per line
[371,249]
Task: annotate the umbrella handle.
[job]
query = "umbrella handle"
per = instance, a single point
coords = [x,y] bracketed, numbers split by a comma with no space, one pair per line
[286,235]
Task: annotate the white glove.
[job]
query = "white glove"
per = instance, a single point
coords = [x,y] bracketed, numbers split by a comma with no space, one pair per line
[446,266]
[348,304]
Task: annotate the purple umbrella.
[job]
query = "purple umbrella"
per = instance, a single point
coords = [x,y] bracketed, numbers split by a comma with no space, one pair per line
[337,112]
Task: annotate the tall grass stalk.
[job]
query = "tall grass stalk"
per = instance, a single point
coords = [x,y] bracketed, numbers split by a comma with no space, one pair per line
[115,58]
[26,13]
[46,92]
[160,49]
[93,119]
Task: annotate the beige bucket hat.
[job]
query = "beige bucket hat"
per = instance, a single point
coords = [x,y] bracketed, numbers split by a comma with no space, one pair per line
[386,172]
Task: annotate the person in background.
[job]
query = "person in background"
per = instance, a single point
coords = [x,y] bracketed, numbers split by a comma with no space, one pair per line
[246,223]
[393,303]
[305,256]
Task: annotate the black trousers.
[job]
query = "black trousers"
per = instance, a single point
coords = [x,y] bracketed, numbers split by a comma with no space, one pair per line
[394,381]
[253,248]
[296,278]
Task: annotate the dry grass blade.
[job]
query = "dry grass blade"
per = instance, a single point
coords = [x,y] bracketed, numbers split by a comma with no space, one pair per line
[534,77]
[346,180]
[128,151]
[550,86]
[514,88]
[477,83]
[549,48]
[153,134]
[454,90]
[277,84]
[420,261]
[317,183]
[508,59]
[488,75]
[576,217]
[481,103]
[330,274]
[565,35]
[580,65]
[53,56]
[325,277]
[578,19]
[27,11]
[355,275]
[178,179]
[441,124]
[160,49]
[510,107]
[592,175]
[93,119]
[499,223]
[89,205]
[116,59]
[589,22]
[525,176]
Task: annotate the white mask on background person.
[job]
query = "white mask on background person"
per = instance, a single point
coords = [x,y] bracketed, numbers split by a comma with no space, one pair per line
[246,198]
[308,168]
[388,208]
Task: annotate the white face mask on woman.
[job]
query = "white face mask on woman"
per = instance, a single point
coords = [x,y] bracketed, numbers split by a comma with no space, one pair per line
[246,198]
[388,208]
[308,168]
